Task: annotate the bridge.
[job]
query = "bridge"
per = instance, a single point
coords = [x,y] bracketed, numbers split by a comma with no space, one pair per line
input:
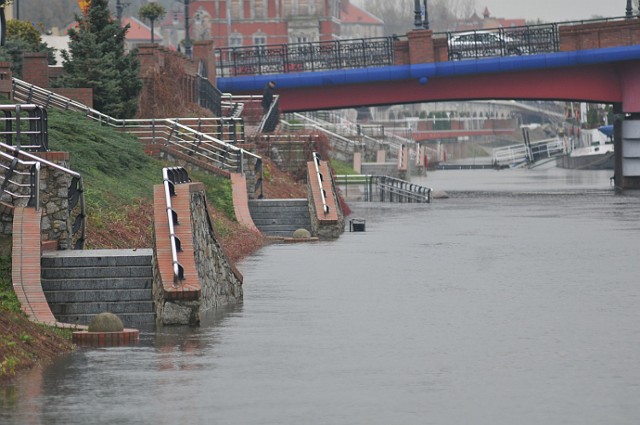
[589,61]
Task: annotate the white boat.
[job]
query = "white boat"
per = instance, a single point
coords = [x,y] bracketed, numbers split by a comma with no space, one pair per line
[593,151]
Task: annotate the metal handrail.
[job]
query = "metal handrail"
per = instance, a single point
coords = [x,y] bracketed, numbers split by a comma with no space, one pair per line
[520,153]
[228,156]
[406,190]
[316,162]
[36,121]
[33,176]
[169,181]
[353,144]
[80,221]
[403,189]
[301,57]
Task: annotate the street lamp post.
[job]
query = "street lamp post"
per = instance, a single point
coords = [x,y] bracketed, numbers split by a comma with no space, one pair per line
[426,16]
[629,13]
[3,23]
[187,38]
[120,9]
[418,15]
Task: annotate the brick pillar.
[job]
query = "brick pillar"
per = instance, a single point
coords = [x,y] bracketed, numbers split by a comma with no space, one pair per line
[6,86]
[147,58]
[35,69]
[420,46]
[205,51]
[400,52]
[357,162]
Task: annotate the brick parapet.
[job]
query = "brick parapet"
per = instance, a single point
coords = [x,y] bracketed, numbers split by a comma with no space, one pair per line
[327,225]
[204,51]
[596,35]
[6,83]
[420,46]
[35,69]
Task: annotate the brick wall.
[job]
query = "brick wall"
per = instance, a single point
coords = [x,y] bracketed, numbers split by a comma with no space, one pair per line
[35,69]
[6,86]
[82,95]
[420,46]
[599,35]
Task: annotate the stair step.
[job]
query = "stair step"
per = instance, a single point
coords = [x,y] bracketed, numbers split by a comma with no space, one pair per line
[117,295]
[97,284]
[280,221]
[96,272]
[98,258]
[99,307]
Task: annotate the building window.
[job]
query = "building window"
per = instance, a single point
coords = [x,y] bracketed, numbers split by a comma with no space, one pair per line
[235,40]
[260,39]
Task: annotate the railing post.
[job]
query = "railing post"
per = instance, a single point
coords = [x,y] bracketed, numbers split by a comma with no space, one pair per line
[18,126]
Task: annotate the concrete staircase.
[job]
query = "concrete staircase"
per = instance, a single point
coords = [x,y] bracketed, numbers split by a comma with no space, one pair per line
[280,217]
[80,284]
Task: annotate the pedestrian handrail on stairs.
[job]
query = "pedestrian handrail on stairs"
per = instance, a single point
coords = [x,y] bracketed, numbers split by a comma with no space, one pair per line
[24,126]
[15,172]
[323,194]
[76,201]
[170,177]
[170,131]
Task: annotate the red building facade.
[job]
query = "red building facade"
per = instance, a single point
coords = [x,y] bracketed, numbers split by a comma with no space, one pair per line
[232,23]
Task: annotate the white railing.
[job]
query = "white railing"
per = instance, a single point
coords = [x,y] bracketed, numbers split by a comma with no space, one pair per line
[515,155]
[171,177]
[316,162]
[337,140]
[174,132]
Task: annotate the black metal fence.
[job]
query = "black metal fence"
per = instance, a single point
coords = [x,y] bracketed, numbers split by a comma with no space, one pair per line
[366,52]
[303,57]
[510,41]
[209,96]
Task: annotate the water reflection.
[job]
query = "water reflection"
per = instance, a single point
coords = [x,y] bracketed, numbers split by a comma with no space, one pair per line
[492,307]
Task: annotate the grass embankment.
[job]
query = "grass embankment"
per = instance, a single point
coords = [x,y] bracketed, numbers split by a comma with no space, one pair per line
[118,179]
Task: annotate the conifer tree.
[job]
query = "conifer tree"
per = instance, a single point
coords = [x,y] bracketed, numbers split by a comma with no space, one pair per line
[97,59]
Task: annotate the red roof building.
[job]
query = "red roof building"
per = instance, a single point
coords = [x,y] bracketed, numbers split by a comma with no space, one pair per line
[139,33]
[476,22]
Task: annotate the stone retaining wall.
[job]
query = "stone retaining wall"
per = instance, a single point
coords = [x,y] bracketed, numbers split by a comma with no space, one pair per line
[54,202]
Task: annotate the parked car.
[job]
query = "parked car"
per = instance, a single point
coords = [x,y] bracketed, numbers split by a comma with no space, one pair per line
[478,44]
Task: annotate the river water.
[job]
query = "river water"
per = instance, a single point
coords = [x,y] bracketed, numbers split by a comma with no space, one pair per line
[515,301]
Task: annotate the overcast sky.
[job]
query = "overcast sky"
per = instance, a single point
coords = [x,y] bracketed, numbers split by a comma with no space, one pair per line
[548,10]
[553,10]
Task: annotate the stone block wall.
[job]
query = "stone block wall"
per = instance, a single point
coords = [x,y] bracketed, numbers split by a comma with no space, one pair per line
[221,282]
[54,202]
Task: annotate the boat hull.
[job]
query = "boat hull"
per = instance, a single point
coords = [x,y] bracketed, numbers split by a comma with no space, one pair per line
[603,161]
